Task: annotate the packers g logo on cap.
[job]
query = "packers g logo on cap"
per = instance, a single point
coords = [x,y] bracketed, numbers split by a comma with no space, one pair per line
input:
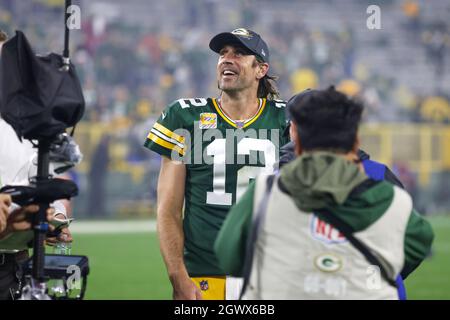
[242,32]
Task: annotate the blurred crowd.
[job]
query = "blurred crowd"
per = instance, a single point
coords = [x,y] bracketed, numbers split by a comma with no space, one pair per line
[131,69]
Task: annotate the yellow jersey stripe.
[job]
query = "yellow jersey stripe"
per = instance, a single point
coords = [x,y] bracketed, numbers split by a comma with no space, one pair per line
[258,114]
[224,117]
[166,138]
[165,144]
[168,133]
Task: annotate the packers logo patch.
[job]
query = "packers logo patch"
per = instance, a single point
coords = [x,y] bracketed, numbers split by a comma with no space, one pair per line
[204,285]
[208,120]
[242,32]
[328,262]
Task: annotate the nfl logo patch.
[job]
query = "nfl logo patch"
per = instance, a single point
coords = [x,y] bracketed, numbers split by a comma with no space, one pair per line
[208,120]
[204,285]
[325,232]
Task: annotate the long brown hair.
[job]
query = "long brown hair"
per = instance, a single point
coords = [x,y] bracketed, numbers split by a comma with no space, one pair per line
[267,85]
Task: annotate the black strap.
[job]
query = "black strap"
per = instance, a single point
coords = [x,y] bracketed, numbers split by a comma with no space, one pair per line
[73,130]
[253,236]
[347,231]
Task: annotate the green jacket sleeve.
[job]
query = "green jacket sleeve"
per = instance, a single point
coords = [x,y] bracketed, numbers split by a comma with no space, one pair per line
[232,238]
[418,239]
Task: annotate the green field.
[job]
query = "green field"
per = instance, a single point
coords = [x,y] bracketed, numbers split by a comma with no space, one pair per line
[432,279]
[129,266]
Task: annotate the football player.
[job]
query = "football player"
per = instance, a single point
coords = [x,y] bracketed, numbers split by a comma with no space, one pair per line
[211,149]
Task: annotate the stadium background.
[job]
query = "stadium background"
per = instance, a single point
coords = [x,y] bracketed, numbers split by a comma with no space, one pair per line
[134,57]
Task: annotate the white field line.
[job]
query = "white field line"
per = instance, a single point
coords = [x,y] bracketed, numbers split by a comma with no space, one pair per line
[105,227]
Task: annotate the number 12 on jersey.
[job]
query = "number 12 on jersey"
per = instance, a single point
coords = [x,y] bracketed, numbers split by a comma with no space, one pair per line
[217,149]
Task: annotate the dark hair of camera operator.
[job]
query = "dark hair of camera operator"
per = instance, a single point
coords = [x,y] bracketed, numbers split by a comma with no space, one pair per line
[310,121]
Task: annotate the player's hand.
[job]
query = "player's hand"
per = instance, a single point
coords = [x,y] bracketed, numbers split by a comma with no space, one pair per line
[185,289]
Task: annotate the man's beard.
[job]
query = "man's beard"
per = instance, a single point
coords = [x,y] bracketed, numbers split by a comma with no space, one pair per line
[229,90]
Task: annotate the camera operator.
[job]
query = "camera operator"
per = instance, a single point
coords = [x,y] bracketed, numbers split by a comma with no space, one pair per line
[18,163]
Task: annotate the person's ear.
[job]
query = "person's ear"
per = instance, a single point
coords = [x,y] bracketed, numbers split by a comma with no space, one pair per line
[356,144]
[293,132]
[263,68]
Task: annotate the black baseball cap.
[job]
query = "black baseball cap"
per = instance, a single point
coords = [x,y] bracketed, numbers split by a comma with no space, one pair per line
[248,38]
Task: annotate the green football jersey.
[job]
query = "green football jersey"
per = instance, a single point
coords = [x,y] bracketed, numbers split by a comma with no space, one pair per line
[221,156]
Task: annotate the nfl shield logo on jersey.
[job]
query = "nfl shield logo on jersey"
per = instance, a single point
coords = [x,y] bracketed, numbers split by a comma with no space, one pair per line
[204,285]
[208,120]
[325,232]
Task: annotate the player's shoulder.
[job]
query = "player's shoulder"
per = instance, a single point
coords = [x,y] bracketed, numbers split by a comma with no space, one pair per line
[276,103]
[276,114]
[185,110]
[188,104]
[277,108]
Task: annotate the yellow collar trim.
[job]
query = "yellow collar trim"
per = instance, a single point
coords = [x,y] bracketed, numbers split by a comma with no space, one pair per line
[248,122]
